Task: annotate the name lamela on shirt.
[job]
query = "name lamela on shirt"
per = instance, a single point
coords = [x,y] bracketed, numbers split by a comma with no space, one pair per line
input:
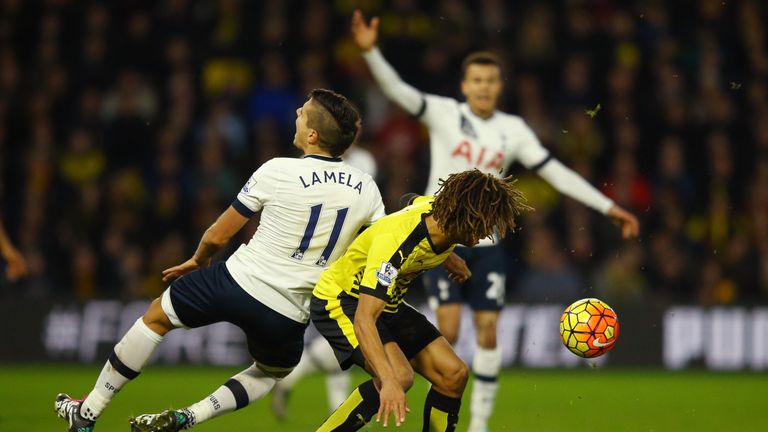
[338,177]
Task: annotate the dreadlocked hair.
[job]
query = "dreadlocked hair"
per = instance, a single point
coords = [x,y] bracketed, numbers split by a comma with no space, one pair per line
[474,204]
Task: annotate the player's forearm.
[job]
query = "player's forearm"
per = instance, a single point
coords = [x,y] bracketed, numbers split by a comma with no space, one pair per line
[210,245]
[218,235]
[372,348]
[391,84]
[567,182]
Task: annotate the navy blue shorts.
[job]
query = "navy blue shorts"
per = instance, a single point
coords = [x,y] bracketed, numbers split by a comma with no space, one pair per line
[210,295]
[486,288]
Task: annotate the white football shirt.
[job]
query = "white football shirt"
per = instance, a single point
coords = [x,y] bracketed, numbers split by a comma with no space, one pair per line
[312,209]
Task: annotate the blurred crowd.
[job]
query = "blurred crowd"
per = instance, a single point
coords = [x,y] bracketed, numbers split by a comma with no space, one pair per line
[127,127]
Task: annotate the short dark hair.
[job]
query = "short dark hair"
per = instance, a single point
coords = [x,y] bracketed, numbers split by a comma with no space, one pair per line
[335,119]
[481,58]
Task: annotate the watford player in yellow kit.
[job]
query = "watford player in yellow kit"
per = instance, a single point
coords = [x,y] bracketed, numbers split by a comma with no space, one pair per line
[358,303]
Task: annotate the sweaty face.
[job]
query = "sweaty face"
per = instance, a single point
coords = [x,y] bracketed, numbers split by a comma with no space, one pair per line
[482,87]
[302,131]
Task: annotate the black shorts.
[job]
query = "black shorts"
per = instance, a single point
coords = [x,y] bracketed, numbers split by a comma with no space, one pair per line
[408,328]
[211,295]
[485,290]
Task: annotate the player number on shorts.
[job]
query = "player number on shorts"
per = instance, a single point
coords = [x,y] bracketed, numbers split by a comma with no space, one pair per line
[314,216]
[445,288]
[496,290]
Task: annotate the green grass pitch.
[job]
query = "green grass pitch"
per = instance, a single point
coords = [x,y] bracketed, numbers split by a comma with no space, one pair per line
[529,400]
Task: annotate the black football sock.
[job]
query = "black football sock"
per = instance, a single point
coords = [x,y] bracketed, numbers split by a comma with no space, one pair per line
[441,412]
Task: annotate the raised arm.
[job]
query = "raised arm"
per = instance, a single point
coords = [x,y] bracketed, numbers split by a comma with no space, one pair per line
[569,183]
[365,35]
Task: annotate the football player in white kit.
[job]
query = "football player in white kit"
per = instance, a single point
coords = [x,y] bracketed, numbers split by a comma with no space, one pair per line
[474,134]
[318,355]
[311,209]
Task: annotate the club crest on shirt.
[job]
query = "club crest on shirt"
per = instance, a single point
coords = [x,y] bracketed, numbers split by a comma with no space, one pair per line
[386,274]
[467,129]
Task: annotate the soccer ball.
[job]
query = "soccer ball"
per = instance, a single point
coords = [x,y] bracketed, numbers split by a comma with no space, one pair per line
[589,328]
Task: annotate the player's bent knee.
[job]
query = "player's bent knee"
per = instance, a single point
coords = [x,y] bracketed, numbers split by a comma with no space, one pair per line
[277,373]
[457,376]
[156,319]
[486,340]
[487,324]
[486,329]
[452,379]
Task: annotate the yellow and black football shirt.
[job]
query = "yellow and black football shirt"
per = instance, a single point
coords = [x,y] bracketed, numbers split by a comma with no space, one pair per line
[385,258]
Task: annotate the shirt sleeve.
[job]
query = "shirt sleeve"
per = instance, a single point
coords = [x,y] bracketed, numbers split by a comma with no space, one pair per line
[567,182]
[258,190]
[381,268]
[397,90]
[530,152]
[439,109]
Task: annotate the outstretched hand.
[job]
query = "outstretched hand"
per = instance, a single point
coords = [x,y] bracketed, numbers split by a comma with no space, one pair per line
[175,272]
[363,34]
[626,221]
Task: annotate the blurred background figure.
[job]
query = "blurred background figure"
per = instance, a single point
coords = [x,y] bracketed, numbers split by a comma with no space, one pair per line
[15,264]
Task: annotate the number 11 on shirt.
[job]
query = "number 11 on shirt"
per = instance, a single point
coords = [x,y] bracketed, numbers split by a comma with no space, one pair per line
[314,216]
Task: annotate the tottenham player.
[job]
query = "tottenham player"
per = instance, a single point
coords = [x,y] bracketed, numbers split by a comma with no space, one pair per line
[474,134]
[318,355]
[311,209]
[358,303]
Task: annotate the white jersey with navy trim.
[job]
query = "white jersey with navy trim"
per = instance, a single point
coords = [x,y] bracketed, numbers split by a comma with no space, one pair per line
[312,208]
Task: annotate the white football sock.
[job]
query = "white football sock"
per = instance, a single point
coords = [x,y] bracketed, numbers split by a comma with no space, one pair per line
[242,389]
[126,362]
[337,385]
[337,381]
[485,365]
[322,355]
[319,356]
